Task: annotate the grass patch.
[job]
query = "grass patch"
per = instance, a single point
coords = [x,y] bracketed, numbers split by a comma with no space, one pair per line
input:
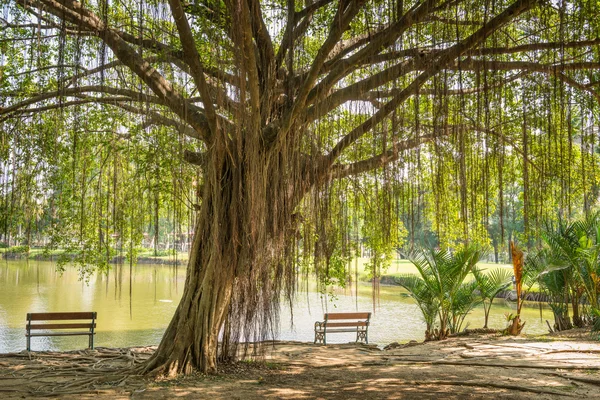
[402,267]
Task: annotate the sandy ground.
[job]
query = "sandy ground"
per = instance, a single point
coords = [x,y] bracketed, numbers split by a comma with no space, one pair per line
[480,367]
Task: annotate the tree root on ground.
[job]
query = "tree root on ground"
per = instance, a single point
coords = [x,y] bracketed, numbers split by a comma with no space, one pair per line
[490,385]
[515,365]
[71,373]
[591,351]
[583,379]
[476,331]
[414,360]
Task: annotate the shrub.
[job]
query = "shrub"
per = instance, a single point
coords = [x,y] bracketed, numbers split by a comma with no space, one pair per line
[18,249]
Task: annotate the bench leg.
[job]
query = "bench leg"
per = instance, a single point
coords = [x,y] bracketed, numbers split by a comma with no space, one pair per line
[320,337]
[28,343]
[362,335]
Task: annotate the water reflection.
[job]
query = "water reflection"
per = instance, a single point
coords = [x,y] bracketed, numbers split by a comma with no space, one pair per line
[126,316]
[139,313]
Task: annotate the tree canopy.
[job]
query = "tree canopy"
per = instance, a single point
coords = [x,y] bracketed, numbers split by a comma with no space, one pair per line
[308,129]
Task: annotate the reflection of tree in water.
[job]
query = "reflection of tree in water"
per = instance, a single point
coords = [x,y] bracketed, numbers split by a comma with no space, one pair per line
[37,276]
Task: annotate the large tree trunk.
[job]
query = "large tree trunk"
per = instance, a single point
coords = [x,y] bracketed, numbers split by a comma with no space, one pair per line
[190,341]
[235,270]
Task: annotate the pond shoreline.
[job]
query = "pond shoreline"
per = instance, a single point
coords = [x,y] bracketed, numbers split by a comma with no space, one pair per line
[114,260]
[388,280]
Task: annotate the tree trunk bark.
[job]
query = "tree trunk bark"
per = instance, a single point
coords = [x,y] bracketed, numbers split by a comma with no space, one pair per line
[191,339]
[496,252]
[234,264]
[577,321]
[486,312]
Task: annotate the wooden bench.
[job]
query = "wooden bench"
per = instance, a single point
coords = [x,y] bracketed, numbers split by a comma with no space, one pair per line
[344,322]
[61,316]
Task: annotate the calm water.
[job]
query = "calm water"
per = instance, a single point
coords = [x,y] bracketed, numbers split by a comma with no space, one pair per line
[134,309]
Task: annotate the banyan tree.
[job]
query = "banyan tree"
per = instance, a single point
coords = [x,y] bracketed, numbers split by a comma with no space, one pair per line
[299,118]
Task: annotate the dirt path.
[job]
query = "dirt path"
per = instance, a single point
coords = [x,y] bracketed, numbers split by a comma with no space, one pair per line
[470,367]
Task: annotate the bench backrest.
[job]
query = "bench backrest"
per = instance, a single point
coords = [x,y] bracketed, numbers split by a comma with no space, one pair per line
[358,319]
[61,316]
[356,315]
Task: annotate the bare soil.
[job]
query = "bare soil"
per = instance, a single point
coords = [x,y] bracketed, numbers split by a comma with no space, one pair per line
[473,367]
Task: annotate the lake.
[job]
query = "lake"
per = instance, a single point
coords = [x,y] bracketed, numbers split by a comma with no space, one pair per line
[135,308]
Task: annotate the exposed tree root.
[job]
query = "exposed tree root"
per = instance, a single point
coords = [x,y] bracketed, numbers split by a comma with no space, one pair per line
[582,379]
[492,385]
[72,373]
[476,331]
[591,351]
[516,372]
[415,360]
[514,365]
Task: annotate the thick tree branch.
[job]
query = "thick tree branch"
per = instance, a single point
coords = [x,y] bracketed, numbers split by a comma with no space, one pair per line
[380,94]
[154,118]
[192,58]
[343,95]
[72,11]
[297,24]
[263,43]
[347,46]
[195,158]
[378,42]
[247,60]
[471,64]
[288,36]
[345,13]
[65,104]
[339,171]
[486,51]
[311,8]
[360,88]
[445,58]
[129,94]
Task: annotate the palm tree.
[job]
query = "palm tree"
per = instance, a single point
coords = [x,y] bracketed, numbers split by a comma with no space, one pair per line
[572,268]
[489,286]
[425,298]
[463,301]
[439,289]
[588,267]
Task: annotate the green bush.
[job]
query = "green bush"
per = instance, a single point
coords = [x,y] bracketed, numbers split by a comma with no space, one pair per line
[163,253]
[149,252]
[18,249]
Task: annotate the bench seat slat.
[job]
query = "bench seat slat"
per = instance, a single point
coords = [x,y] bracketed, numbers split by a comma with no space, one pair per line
[60,316]
[60,334]
[348,315]
[336,330]
[60,326]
